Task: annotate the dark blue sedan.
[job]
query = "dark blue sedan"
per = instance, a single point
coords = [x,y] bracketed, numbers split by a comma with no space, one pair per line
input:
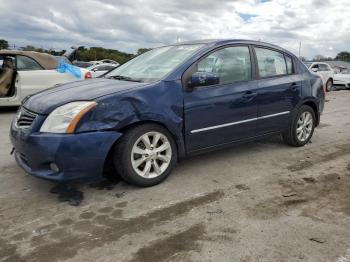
[168,103]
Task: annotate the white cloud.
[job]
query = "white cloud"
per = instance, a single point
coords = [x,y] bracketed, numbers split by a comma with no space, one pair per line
[322,26]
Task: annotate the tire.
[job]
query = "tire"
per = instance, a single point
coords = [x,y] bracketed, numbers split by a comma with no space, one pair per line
[329,85]
[141,162]
[293,137]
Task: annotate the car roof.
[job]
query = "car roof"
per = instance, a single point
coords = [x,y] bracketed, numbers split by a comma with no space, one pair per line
[221,42]
[47,61]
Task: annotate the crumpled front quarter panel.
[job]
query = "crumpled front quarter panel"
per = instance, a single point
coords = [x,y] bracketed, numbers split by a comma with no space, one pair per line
[161,102]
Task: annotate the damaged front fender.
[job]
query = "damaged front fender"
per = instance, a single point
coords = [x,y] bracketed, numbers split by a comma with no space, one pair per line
[161,102]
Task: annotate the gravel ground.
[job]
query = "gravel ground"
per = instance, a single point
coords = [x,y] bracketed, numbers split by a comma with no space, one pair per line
[262,201]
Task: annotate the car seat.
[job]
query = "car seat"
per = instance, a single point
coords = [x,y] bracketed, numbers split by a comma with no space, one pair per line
[6,76]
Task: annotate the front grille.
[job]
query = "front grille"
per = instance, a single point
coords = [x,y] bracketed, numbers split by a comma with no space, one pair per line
[25,118]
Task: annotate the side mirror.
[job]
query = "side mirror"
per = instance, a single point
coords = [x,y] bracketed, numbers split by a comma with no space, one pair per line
[314,69]
[203,79]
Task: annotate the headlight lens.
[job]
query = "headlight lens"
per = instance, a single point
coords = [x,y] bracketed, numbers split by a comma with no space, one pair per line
[65,118]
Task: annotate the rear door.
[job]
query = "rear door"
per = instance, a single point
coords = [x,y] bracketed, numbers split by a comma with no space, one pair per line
[224,112]
[279,89]
[33,78]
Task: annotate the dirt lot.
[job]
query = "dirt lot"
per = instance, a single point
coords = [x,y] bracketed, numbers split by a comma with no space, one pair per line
[262,201]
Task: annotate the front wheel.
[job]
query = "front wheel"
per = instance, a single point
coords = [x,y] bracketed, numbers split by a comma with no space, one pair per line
[329,85]
[146,155]
[301,128]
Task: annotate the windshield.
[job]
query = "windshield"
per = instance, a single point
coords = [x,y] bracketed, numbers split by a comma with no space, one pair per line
[153,65]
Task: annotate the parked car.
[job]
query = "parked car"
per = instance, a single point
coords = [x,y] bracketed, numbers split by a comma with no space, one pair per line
[104,61]
[100,69]
[24,73]
[166,104]
[325,71]
[342,78]
[82,64]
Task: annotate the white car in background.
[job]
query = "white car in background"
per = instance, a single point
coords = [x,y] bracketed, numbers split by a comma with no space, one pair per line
[100,69]
[23,73]
[342,78]
[104,61]
[325,71]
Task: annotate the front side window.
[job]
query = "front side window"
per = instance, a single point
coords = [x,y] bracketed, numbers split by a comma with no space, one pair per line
[270,63]
[25,63]
[230,64]
[155,64]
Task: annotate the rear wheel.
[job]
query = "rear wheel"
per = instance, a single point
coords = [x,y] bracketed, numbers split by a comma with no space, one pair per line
[301,128]
[329,85]
[146,155]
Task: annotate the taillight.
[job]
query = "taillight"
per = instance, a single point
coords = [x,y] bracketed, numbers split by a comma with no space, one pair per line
[88,75]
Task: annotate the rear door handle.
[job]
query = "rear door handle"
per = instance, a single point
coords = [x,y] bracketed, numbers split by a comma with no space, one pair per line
[249,94]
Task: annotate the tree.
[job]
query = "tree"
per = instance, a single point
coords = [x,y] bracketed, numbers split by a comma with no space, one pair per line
[29,48]
[143,50]
[302,58]
[4,44]
[319,58]
[343,56]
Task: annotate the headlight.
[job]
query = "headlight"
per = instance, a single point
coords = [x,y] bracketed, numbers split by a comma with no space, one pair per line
[65,118]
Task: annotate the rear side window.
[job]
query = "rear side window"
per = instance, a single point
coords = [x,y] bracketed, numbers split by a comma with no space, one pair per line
[100,68]
[25,63]
[270,63]
[231,64]
[323,67]
[289,65]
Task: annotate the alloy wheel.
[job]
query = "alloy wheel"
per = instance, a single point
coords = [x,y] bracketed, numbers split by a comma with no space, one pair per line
[151,155]
[329,85]
[304,126]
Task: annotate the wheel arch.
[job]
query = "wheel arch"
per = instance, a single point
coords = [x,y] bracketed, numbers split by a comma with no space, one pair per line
[109,170]
[313,105]
[143,122]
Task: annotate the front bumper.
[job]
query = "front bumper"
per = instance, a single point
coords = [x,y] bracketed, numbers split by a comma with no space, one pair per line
[79,157]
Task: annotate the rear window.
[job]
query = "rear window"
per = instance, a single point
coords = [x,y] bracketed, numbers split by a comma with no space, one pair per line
[270,63]
[25,63]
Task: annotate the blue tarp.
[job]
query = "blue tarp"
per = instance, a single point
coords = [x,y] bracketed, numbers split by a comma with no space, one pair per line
[63,67]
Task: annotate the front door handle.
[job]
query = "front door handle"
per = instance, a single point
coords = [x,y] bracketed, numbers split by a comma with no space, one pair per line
[249,94]
[294,86]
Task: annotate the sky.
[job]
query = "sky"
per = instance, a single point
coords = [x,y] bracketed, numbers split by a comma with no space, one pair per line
[322,26]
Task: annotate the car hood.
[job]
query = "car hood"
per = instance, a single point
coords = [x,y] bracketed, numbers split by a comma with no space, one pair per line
[46,101]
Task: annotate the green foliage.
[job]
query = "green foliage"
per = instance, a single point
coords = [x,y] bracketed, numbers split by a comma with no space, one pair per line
[4,44]
[99,53]
[143,50]
[343,56]
[41,50]
[85,54]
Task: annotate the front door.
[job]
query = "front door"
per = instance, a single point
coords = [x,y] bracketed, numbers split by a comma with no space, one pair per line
[224,112]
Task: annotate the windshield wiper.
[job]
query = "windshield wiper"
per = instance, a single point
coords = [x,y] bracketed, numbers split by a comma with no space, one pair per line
[124,78]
